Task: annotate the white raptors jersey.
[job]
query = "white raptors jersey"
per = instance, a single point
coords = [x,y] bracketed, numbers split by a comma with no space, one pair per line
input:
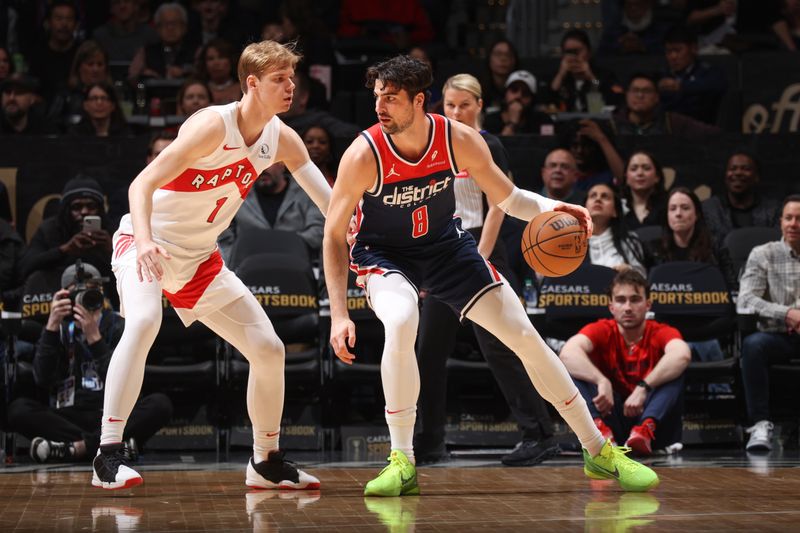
[199,204]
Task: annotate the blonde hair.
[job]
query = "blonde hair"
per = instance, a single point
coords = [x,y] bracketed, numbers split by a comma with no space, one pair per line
[464,82]
[265,56]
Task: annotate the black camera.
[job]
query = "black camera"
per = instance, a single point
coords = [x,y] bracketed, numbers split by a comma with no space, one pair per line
[88,290]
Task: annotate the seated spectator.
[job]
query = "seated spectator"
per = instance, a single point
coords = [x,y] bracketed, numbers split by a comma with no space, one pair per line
[301,115]
[301,21]
[53,54]
[102,115]
[643,194]
[220,19]
[90,66]
[60,239]
[637,31]
[769,289]
[124,34]
[193,96]
[629,370]
[276,202]
[70,362]
[321,150]
[118,200]
[216,65]
[6,66]
[577,76]
[592,145]
[611,244]
[172,56]
[21,115]
[518,114]
[501,61]
[11,246]
[559,175]
[399,24]
[642,114]
[741,205]
[694,88]
[685,237]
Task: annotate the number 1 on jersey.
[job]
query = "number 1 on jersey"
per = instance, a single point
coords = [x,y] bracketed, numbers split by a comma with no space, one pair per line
[219,205]
[419,218]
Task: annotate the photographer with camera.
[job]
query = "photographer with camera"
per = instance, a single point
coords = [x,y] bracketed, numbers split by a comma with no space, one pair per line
[71,361]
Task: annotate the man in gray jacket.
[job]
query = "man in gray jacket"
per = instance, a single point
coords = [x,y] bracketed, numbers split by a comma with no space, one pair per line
[276,202]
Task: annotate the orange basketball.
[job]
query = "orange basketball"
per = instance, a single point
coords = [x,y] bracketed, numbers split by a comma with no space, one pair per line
[554,243]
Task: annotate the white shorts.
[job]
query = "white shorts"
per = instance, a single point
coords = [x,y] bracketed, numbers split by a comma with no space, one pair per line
[195,283]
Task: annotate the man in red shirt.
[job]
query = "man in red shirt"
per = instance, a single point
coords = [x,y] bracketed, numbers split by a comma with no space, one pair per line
[630,370]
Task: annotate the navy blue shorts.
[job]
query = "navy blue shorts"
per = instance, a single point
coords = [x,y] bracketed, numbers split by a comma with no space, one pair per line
[451,269]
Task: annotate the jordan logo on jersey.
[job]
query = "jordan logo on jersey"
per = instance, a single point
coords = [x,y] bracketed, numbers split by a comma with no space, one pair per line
[392,172]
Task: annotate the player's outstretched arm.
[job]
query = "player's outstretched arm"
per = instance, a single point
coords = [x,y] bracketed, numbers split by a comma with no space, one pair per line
[357,173]
[472,153]
[292,151]
[198,137]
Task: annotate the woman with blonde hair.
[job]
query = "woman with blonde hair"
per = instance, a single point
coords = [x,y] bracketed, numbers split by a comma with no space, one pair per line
[439,324]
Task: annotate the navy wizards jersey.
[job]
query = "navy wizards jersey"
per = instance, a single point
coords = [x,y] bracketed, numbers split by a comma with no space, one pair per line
[412,202]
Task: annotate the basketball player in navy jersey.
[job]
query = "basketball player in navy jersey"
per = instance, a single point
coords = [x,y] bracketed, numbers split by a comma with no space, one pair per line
[398,177]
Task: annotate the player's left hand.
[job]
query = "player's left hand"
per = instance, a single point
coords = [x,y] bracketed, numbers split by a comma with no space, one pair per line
[579,212]
[634,404]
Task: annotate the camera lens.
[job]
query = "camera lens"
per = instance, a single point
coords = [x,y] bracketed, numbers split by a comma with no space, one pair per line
[91,299]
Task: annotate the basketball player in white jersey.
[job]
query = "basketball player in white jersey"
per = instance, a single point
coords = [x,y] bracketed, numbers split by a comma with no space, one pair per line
[180,203]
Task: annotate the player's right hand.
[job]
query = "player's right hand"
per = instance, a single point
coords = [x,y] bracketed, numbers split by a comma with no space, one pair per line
[343,334]
[148,263]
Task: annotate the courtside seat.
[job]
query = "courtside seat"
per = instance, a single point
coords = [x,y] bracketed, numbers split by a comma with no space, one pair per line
[741,241]
[269,241]
[572,301]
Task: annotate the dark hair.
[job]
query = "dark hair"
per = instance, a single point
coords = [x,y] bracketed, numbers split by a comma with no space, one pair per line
[511,48]
[225,49]
[87,50]
[62,3]
[658,196]
[620,235]
[680,34]
[700,244]
[118,121]
[333,163]
[164,135]
[185,85]
[632,277]
[789,199]
[641,75]
[578,35]
[403,72]
[748,154]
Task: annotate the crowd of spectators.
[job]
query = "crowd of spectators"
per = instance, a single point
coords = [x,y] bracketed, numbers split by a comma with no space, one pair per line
[64,71]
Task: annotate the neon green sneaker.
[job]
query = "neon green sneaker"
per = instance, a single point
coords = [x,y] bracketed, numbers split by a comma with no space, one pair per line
[613,463]
[397,479]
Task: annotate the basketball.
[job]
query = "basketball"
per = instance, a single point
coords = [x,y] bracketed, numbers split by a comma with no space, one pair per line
[554,243]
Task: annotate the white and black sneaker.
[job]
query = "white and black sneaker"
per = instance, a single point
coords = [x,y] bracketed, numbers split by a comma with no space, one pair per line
[277,473]
[111,470]
[760,436]
[43,450]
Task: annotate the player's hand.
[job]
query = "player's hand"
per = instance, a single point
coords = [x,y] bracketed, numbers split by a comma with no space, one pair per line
[604,401]
[634,405]
[579,212]
[343,334]
[89,322]
[60,308]
[148,262]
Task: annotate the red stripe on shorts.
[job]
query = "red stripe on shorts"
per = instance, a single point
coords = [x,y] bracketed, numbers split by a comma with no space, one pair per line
[123,244]
[189,294]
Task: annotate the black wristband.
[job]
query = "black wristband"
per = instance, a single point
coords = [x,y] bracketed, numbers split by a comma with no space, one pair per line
[647,387]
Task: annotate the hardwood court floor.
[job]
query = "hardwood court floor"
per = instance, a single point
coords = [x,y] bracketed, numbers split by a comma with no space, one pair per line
[481,499]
